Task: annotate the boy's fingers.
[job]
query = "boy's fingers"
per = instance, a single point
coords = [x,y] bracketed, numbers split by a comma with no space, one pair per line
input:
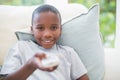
[47,69]
[40,56]
[51,69]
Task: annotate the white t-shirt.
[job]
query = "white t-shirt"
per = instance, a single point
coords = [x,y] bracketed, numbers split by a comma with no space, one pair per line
[70,67]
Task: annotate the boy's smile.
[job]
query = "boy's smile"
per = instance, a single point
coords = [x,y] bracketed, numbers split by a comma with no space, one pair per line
[46,28]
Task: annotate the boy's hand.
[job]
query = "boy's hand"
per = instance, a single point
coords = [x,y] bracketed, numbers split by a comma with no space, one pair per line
[36,62]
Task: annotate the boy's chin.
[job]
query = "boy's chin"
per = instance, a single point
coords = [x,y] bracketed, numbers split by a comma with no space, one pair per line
[47,46]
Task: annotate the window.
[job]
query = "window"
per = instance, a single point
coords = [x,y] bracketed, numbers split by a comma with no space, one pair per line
[118,25]
[21,2]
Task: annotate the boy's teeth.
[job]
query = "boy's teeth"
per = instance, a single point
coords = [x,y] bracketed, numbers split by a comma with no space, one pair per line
[47,41]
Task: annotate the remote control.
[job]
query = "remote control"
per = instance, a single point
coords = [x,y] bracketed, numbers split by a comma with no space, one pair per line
[50,61]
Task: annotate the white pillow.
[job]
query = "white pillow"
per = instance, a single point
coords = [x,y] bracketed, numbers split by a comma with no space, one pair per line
[82,33]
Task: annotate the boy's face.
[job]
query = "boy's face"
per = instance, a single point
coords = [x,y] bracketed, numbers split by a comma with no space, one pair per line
[46,28]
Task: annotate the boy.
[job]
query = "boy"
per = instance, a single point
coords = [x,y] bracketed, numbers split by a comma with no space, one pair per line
[24,59]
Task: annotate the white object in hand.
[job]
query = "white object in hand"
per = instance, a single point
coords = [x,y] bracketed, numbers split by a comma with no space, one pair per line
[50,61]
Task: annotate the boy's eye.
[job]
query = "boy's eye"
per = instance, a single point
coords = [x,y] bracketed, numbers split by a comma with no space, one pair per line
[53,27]
[41,28]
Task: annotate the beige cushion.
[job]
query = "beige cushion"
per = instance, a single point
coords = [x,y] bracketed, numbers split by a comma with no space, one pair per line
[15,18]
[12,18]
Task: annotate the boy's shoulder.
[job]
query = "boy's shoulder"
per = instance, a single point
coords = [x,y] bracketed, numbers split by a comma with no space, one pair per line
[21,43]
[31,43]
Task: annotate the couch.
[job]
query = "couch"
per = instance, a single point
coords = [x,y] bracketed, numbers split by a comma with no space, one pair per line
[16,18]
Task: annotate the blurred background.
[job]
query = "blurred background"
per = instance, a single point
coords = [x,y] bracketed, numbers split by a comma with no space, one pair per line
[107,15]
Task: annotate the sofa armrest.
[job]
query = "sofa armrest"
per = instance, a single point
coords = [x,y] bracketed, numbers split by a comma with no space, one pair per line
[112,64]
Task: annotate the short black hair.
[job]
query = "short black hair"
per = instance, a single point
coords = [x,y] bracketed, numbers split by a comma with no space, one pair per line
[45,8]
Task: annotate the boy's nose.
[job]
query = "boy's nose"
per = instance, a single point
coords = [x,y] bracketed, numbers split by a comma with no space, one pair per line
[47,34]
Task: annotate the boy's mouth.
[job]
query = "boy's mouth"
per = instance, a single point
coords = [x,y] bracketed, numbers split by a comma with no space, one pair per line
[50,41]
[47,41]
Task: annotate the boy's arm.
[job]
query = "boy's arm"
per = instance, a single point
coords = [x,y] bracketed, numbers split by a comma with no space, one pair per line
[26,70]
[84,77]
[22,74]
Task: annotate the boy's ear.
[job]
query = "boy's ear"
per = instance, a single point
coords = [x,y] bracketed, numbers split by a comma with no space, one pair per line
[61,27]
[31,29]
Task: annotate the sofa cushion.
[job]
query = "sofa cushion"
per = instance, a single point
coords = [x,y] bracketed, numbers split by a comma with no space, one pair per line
[12,18]
[82,33]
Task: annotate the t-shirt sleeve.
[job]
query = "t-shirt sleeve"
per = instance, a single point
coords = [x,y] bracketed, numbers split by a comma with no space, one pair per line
[77,69]
[12,61]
